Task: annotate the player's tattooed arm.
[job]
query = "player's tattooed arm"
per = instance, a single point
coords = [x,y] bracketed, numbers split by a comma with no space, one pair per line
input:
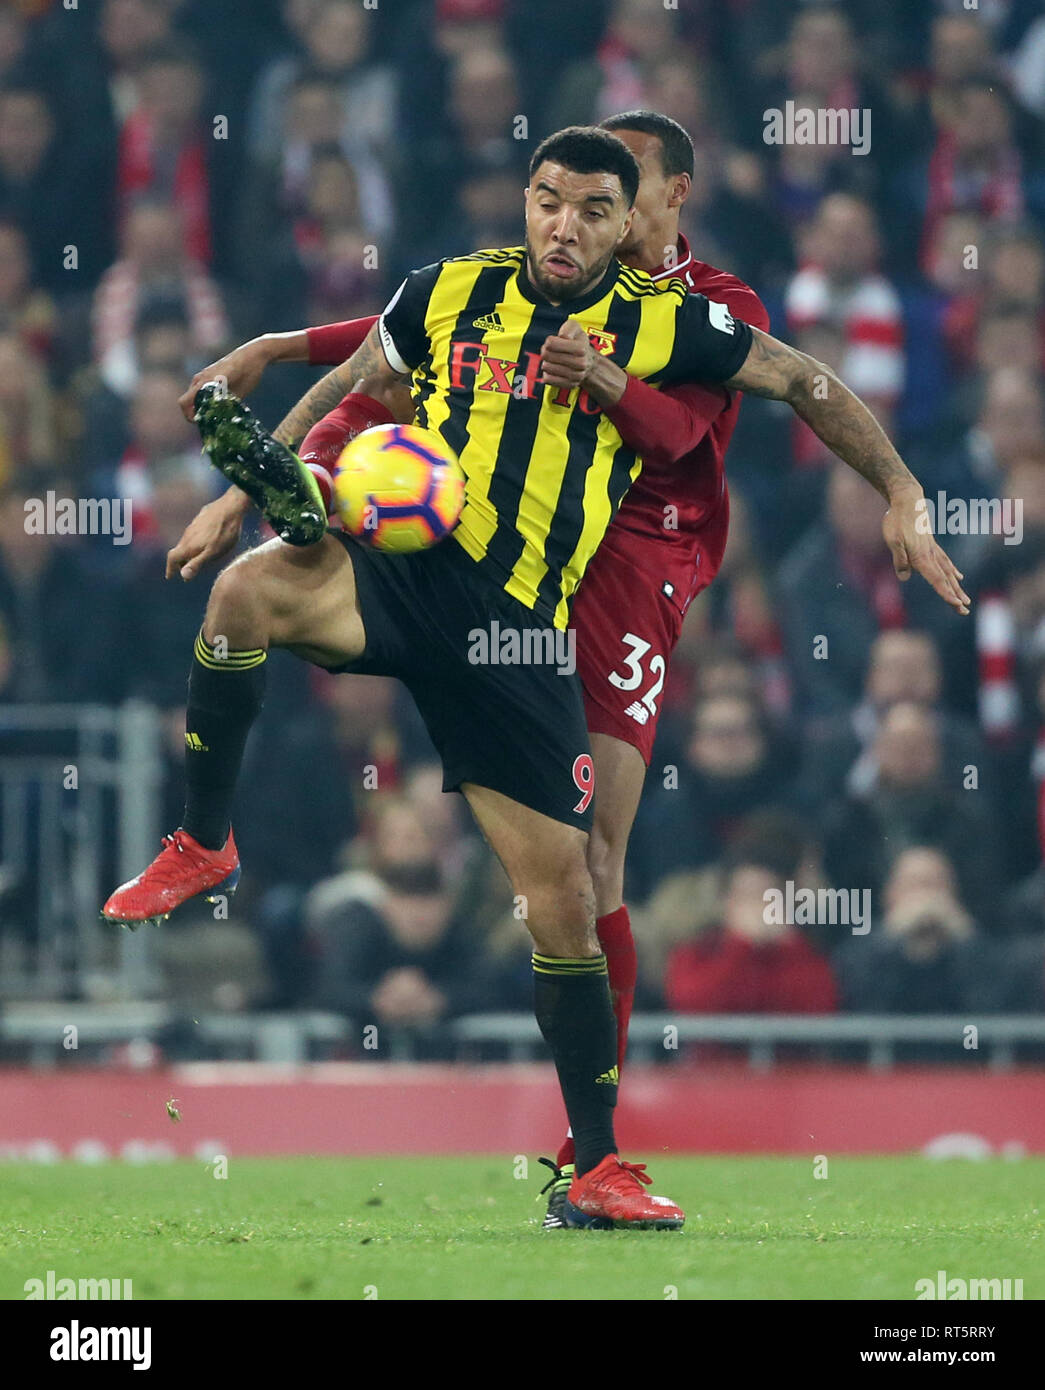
[367,363]
[847,427]
[842,421]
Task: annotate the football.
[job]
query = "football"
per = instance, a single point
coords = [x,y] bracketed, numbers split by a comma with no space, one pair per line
[398,487]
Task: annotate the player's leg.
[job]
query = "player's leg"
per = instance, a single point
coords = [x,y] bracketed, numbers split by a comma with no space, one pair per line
[277,595]
[545,861]
[620,771]
[619,774]
[626,629]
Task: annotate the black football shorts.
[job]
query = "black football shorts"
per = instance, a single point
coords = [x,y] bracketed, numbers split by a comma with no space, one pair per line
[514,724]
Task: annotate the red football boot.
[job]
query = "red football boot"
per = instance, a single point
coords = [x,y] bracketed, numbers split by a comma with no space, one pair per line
[183,869]
[610,1196]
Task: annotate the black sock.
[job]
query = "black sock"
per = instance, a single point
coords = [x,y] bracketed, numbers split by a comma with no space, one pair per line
[575,1015]
[226,690]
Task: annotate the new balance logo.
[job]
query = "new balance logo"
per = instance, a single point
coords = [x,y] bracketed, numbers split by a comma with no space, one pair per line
[719,317]
[489,323]
[638,712]
[197,745]
[608,1078]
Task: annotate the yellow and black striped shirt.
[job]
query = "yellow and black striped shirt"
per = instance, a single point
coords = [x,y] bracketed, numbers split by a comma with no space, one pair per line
[546,470]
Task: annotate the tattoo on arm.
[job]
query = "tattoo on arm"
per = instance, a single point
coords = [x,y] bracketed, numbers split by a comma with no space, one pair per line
[367,361]
[829,408]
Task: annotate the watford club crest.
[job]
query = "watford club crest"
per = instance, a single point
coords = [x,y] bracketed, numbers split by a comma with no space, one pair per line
[602,342]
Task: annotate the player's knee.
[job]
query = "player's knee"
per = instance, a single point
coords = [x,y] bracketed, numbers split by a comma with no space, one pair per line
[602,853]
[235,591]
[561,909]
[606,861]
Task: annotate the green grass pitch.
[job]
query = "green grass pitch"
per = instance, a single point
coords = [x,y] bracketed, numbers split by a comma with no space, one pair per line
[468,1228]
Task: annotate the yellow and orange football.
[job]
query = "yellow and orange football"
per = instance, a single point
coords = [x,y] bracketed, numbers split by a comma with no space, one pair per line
[398,487]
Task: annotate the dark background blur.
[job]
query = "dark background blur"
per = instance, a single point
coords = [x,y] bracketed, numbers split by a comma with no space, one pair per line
[179,175]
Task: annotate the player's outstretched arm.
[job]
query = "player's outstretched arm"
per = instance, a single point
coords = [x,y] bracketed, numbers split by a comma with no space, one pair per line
[848,428]
[368,364]
[243,367]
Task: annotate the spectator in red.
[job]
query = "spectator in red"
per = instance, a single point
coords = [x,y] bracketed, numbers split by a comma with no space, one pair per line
[975,164]
[840,286]
[1012,279]
[277,191]
[152,263]
[752,963]
[621,74]
[330,269]
[956,272]
[163,146]
[160,438]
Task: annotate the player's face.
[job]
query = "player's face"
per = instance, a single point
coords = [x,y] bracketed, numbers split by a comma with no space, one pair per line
[574,225]
[659,194]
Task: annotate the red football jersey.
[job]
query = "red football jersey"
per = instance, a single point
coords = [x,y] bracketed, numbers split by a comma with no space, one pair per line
[674,518]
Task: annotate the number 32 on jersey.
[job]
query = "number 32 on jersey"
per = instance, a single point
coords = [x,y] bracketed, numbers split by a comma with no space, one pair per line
[645,706]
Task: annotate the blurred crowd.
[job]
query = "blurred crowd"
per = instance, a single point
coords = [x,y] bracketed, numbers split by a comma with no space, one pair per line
[179,175]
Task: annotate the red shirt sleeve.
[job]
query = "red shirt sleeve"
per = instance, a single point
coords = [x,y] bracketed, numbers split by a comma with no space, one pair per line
[666,425]
[334,343]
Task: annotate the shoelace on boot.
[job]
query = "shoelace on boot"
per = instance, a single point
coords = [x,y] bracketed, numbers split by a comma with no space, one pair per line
[557,1175]
[623,1178]
[166,869]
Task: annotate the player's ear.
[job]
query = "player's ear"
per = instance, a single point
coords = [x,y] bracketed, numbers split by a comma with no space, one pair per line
[627,225]
[680,189]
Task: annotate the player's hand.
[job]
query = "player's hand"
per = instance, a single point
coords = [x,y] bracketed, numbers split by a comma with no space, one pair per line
[240,370]
[211,534]
[914,547]
[567,357]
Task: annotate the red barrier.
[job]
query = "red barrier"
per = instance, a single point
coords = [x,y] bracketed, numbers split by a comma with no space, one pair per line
[381,1108]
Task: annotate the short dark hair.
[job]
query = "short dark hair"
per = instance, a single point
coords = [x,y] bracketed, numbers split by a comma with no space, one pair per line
[771,839]
[161,311]
[588,149]
[676,147]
